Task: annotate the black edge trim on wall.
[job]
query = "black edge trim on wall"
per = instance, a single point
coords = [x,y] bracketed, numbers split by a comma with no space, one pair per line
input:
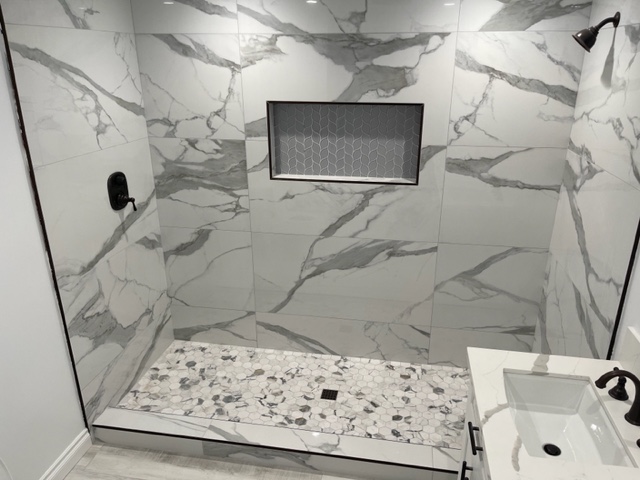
[289,450]
[623,296]
[355,182]
[38,203]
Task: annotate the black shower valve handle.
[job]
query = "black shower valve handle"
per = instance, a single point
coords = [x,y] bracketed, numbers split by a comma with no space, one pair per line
[118,191]
[125,199]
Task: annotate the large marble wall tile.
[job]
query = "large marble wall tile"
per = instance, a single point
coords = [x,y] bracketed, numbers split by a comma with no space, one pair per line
[349,68]
[80,90]
[402,343]
[191,85]
[120,302]
[212,325]
[185,16]
[593,236]
[449,346]
[608,106]
[209,268]
[375,280]
[515,89]
[201,183]
[520,15]
[110,15]
[484,288]
[501,196]
[568,325]
[347,16]
[81,224]
[629,11]
[141,353]
[338,209]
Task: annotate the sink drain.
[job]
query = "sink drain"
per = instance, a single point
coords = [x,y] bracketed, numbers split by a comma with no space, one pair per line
[551,449]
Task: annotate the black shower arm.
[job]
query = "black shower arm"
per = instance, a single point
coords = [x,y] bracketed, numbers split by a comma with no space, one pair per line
[615,20]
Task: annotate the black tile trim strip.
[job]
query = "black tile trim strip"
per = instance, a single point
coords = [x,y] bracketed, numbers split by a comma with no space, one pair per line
[288,450]
[623,296]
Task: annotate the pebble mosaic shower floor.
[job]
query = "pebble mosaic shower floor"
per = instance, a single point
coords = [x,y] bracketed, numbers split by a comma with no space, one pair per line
[418,404]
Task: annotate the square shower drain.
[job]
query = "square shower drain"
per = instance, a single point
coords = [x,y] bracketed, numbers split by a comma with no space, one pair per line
[329,394]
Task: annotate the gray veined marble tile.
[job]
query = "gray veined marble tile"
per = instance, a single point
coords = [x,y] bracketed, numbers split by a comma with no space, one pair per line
[201,183]
[374,280]
[395,342]
[83,227]
[209,268]
[212,325]
[593,235]
[347,16]
[153,422]
[501,196]
[349,68]
[185,16]
[110,15]
[192,86]
[119,321]
[109,305]
[608,105]
[520,15]
[343,210]
[489,289]
[80,90]
[514,89]
[568,325]
[449,346]
[326,443]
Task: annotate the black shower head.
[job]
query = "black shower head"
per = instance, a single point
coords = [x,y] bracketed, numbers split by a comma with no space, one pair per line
[587,37]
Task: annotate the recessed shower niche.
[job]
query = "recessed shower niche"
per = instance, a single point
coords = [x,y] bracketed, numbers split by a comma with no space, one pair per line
[345,142]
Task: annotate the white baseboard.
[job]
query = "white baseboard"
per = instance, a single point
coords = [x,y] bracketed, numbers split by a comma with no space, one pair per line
[72,454]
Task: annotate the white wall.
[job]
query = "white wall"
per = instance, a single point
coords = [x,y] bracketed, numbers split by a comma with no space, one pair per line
[40,413]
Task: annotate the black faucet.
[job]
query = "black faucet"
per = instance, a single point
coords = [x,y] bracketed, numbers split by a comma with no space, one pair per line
[633,416]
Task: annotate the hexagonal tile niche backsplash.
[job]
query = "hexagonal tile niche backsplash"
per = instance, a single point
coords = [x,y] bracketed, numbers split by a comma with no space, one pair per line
[372,143]
[420,404]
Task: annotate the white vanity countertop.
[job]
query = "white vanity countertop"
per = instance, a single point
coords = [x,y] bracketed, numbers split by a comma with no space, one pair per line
[505,456]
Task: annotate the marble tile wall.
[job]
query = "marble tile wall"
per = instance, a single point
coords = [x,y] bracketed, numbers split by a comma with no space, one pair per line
[364,270]
[80,89]
[599,206]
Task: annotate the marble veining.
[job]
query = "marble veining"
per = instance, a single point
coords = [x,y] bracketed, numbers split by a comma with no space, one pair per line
[67,95]
[482,288]
[201,183]
[538,71]
[307,275]
[349,68]
[607,112]
[117,316]
[501,195]
[346,16]
[503,453]
[185,16]
[336,336]
[212,325]
[328,209]
[110,15]
[419,404]
[568,323]
[209,268]
[520,15]
[211,107]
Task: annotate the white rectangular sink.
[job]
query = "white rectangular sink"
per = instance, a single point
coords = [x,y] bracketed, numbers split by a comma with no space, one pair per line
[562,417]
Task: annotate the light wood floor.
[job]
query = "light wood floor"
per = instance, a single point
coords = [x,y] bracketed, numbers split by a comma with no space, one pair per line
[103,462]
